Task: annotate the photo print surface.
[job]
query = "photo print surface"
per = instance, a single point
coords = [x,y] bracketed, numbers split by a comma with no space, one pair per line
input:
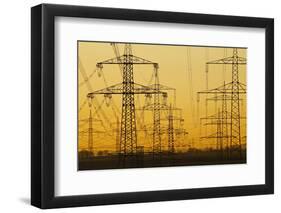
[156,105]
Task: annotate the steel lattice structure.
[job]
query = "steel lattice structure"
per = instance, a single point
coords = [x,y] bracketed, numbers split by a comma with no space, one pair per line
[156,108]
[128,135]
[231,91]
[156,146]
[235,105]
[171,140]
[128,88]
[171,118]
[90,132]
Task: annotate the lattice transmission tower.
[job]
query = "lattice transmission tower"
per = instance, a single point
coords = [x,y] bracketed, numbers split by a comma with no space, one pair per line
[90,132]
[231,91]
[127,88]
[171,139]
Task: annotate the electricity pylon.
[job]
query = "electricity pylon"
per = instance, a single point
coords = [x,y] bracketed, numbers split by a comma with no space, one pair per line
[156,107]
[90,132]
[234,89]
[170,118]
[117,148]
[220,135]
[156,148]
[128,88]
[171,140]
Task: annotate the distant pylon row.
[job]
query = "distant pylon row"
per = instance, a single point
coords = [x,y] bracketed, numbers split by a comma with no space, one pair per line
[228,131]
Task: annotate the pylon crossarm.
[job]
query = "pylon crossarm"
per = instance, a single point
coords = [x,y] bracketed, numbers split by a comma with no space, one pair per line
[214,116]
[161,87]
[218,116]
[221,98]
[229,60]
[161,107]
[215,123]
[123,60]
[141,89]
[166,107]
[118,89]
[225,89]
[214,136]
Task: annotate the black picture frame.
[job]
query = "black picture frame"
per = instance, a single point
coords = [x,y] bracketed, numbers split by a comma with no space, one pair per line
[43,102]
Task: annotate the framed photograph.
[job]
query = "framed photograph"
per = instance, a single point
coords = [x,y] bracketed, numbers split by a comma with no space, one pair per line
[139,106]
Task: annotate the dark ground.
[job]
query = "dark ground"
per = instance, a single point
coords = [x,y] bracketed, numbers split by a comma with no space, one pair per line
[144,161]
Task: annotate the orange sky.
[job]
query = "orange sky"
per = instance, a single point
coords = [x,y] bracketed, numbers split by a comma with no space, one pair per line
[180,67]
